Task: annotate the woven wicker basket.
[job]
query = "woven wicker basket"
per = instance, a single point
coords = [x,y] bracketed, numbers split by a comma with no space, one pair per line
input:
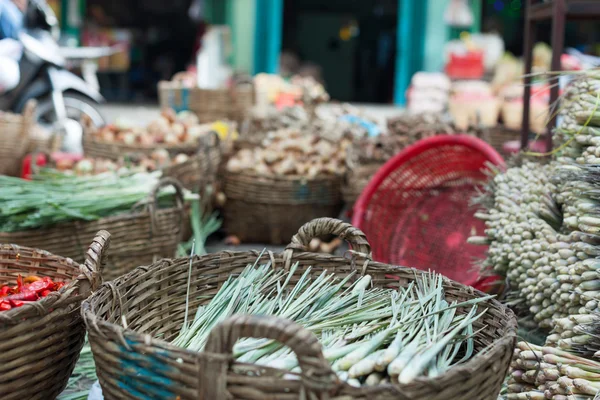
[140,237]
[15,130]
[201,168]
[138,361]
[40,341]
[499,135]
[208,105]
[93,147]
[362,164]
[263,209]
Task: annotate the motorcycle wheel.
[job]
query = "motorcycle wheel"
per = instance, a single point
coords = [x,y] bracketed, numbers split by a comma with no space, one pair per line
[76,107]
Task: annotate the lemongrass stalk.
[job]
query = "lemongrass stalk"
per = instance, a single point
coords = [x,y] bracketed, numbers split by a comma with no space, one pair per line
[365,366]
[419,363]
[374,379]
[371,345]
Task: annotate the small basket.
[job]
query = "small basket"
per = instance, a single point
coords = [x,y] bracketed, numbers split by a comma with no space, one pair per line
[208,104]
[139,237]
[263,209]
[132,321]
[40,341]
[16,130]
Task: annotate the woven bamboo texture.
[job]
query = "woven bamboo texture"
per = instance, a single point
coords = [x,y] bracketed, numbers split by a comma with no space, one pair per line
[364,157]
[499,135]
[92,147]
[139,237]
[201,168]
[15,130]
[40,341]
[138,361]
[209,105]
[263,209]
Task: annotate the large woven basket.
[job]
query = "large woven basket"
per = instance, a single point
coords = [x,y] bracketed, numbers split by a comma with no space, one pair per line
[15,131]
[141,236]
[132,320]
[208,105]
[40,341]
[263,209]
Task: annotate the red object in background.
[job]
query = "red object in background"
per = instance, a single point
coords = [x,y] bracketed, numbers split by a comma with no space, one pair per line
[466,66]
[514,146]
[416,210]
[42,160]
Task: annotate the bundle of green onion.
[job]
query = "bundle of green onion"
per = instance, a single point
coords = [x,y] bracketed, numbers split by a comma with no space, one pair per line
[370,335]
[53,198]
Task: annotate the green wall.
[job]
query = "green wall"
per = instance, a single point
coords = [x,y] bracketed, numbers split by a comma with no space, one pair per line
[437,33]
[243,22]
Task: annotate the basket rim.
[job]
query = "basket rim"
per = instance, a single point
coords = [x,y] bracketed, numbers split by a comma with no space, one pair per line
[362,203]
[488,352]
[283,178]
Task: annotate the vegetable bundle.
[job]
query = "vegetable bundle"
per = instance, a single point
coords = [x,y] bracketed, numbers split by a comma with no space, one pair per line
[562,369]
[370,335]
[28,289]
[57,198]
[543,220]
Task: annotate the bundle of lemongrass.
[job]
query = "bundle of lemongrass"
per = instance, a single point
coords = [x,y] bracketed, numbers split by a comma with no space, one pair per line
[522,220]
[549,373]
[370,335]
[54,198]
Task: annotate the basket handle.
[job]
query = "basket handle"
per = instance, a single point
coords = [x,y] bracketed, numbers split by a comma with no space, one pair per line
[317,375]
[152,203]
[95,259]
[28,117]
[327,226]
[165,182]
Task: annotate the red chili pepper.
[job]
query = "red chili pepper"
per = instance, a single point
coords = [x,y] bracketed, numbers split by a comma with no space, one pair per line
[4,306]
[58,285]
[39,286]
[45,293]
[4,291]
[24,295]
[19,282]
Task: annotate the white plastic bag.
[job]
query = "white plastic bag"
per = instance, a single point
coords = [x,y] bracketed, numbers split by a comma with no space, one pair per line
[96,392]
[459,14]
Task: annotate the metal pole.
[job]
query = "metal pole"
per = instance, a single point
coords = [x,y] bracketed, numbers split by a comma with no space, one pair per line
[530,33]
[559,16]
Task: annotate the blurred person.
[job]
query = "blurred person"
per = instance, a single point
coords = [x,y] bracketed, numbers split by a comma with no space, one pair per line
[11,24]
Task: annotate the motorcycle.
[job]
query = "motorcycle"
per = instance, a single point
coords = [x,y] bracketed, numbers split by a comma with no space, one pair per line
[62,97]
